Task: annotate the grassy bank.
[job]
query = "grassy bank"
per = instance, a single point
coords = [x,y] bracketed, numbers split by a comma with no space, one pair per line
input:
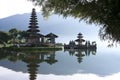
[32,49]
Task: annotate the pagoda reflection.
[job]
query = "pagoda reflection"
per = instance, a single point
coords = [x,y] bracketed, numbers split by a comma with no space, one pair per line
[80,53]
[32,60]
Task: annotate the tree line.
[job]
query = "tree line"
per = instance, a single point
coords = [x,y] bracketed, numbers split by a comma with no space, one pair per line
[12,36]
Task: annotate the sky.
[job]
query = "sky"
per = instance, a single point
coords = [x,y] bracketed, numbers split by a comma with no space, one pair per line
[12,7]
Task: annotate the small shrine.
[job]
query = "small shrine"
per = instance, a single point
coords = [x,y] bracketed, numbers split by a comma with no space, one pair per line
[34,38]
[81,43]
[80,39]
[51,37]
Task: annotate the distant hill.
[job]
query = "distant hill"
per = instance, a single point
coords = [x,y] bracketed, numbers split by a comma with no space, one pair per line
[21,22]
[15,21]
[65,28]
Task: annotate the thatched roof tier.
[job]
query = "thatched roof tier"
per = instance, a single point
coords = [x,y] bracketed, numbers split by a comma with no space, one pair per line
[33,23]
[36,35]
[33,10]
[34,14]
[31,30]
[80,34]
[32,26]
[78,40]
[51,35]
[33,17]
[33,20]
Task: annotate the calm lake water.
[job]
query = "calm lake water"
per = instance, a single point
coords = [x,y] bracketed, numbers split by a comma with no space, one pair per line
[100,64]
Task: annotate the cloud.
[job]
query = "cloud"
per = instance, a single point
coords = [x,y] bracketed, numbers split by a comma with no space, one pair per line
[7,74]
[79,77]
[11,7]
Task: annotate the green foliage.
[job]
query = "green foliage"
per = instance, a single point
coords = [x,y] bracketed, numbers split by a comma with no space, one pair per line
[101,12]
[58,44]
[4,37]
[32,49]
[17,35]
[12,36]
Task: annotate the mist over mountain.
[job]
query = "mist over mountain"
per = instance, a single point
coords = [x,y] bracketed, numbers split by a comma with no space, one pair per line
[67,29]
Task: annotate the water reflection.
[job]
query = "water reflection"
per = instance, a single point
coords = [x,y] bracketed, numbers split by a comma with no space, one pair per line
[31,59]
[53,64]
[34,60]
[12,75]
[80,53]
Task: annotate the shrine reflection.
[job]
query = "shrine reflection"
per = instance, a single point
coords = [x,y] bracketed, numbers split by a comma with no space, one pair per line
[80,53]
[33,60]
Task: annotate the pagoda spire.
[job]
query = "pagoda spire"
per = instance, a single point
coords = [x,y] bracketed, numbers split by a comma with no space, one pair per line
[33,37]
[33,28]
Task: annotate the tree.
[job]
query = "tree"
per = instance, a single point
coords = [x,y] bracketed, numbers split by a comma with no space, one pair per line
[17,35]
[14,35]
[101,12]
[4,37]
[22,35]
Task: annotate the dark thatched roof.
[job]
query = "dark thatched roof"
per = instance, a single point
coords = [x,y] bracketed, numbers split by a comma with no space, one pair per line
[51,35]
[77,40]
[31,30]
[80,34]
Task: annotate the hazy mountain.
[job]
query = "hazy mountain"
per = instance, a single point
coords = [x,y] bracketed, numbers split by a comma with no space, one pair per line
[65,28]
[19,21]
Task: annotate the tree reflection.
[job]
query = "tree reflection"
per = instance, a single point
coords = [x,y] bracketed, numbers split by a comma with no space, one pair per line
[33,60]
[101,12]
[32,64]
[80,53]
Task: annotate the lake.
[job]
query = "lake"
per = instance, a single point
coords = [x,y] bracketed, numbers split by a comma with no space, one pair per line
[100,64]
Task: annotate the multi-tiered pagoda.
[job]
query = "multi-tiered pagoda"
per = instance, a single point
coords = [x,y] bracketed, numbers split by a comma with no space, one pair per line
[80,45]
[33,37]
[80,39]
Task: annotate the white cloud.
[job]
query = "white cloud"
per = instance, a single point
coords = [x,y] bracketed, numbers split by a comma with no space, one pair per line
[7,74]
[12,7]
[79,77]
